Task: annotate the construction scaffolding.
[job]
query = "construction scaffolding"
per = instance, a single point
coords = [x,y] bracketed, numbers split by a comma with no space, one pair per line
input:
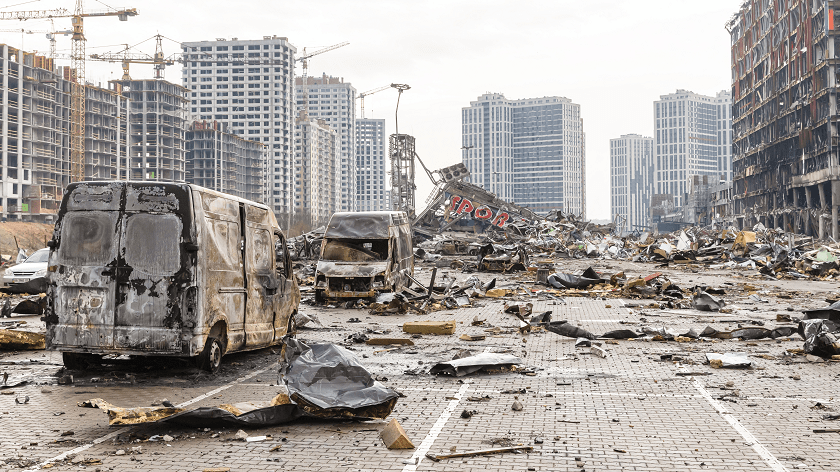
[784,115]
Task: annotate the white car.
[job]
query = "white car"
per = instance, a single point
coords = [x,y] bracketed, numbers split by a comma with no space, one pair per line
[33,267]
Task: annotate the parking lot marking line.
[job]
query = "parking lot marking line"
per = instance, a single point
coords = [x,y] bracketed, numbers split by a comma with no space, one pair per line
[762,451]
[114,434]
[430,438]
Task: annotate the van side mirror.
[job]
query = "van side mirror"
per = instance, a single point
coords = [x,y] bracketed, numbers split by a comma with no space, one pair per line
[52,244]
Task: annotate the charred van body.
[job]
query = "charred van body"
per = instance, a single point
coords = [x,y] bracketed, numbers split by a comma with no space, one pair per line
[364,253]
[165,269]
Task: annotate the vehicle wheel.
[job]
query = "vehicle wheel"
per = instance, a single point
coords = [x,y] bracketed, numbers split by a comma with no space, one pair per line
[319,296]
[211,357]
[77,361]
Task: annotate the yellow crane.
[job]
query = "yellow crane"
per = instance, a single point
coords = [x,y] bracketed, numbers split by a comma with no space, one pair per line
[370,92]
[77,94]
[304,59]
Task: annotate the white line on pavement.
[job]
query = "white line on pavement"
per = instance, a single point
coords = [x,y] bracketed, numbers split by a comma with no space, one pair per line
[762,451]
[430,438]
[114,434]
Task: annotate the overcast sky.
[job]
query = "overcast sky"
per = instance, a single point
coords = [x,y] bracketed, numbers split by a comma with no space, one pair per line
[614,58]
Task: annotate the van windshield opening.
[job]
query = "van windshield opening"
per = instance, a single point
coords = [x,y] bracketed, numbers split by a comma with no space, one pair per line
[356,250]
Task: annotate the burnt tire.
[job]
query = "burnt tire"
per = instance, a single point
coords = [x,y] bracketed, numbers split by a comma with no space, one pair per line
[210,358]
[319,297]
[78,361]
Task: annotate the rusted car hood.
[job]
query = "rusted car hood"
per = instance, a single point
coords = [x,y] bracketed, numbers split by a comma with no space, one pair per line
[351,269]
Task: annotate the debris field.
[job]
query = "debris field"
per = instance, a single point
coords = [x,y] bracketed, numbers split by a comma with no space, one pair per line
[620,359]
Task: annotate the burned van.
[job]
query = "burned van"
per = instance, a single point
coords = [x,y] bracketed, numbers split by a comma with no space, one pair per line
[165,269]
[364,253]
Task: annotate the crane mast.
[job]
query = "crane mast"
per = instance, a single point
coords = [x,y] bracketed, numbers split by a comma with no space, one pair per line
[304,59]
[77,64]
[370,92]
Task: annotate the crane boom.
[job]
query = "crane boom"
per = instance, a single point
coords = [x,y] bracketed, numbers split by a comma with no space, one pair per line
[304,59]
[370,92]
[77,64]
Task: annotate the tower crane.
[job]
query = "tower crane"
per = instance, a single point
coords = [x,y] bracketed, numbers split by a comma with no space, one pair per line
[304,59]
[77,94]
[125,57]
[160,61]
[370,92]
[50,35]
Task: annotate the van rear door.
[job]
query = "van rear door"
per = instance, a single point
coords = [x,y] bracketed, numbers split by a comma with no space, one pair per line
[151,271]
[85,265]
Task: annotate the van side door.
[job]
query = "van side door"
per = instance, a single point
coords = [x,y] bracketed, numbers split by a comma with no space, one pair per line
[261,280]
[286,302]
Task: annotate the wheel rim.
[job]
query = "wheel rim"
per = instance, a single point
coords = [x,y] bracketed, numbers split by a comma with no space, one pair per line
[215,355]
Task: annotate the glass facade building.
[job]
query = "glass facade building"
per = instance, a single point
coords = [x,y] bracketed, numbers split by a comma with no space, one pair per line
[528,151]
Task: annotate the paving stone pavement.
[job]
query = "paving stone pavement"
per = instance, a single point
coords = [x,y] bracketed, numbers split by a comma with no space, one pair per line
[630,411]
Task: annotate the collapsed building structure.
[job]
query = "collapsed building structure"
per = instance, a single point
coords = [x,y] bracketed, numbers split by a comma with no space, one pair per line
[785,137]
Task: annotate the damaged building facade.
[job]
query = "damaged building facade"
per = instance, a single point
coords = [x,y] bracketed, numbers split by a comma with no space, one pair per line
[528,151]
[785,138]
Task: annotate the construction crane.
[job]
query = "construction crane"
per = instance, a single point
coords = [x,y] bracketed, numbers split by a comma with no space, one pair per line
[304,59]
[126,58]
[160,61]
[370,92]
[50,35]
[78,59]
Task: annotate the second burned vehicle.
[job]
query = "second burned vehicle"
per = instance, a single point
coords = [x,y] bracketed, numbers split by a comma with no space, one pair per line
[364,253]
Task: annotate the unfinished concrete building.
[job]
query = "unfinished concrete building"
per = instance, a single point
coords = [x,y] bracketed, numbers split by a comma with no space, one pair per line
[35,151]
[220,160]
[785,137]
[157,129]
[106,134]
[317,160]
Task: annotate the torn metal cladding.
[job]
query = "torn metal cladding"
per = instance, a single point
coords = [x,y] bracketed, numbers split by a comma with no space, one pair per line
[157,269]
[784,115]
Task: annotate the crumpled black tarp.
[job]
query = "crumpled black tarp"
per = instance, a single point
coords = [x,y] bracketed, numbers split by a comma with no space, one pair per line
[565,329]
[328,377]
[821,337]
[705,302]
[471,364]
[749,333]
[322,380]
[622,334]
[831,312]
[587,279]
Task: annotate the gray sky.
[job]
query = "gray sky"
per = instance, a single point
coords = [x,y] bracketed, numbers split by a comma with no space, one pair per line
[614,58]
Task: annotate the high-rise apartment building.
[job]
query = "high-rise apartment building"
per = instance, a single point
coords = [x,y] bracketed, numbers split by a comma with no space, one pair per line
[225,162]
[372,193]
[332,100]
[317,157]
[527,151]
[631,181]
[692,138]
[785,135]
[249,86]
